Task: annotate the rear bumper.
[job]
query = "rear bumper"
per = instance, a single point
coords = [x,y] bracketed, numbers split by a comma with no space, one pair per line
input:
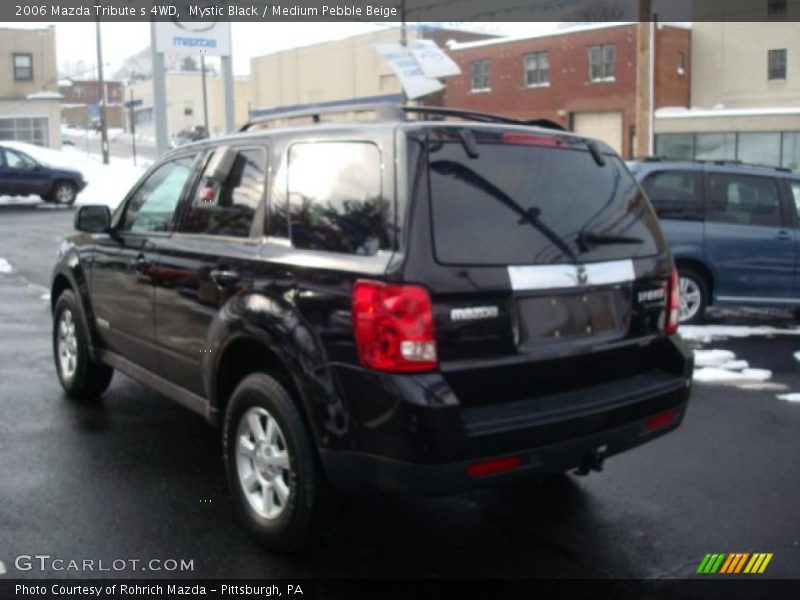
[413,433]
[358,472]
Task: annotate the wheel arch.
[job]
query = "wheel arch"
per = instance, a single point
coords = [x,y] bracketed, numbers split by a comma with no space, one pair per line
[241,356]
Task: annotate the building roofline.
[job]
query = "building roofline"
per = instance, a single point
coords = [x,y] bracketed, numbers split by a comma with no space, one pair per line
[703,113]
[535,36]
[559,32]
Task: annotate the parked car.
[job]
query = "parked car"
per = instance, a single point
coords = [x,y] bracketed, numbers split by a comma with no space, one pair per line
[733,230]
[420,305]
[189,135]
[22,175]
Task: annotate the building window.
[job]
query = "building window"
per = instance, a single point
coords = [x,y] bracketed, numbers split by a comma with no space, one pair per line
[768,148]
[760,148]
[776,60]
[776,8]
[479,76]
[790,153]
[601,62]
[23,67]
[715,146]
[30,130]
[537,69]
[681,63]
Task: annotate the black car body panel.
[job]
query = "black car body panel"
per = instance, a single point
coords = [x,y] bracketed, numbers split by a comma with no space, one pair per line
[188,313]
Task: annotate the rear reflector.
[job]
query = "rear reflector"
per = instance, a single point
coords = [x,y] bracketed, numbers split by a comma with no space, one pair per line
[661,421]
[492,467]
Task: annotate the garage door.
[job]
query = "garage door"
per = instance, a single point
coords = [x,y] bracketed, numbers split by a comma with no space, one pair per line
[605,126]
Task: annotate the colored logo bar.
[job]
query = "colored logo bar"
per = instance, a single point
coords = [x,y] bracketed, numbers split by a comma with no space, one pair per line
[734,563]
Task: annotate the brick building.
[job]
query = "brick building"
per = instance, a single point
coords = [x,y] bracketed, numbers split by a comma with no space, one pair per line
[583,78]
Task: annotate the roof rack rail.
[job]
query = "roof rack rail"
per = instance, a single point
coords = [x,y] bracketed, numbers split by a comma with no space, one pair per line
[395,112]
[713,161]
[384,111]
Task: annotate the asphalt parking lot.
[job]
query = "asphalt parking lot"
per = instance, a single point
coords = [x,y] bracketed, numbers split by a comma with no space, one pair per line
[139,477]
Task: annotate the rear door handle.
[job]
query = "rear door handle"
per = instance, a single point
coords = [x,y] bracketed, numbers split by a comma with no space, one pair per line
[223,277]
[783,235]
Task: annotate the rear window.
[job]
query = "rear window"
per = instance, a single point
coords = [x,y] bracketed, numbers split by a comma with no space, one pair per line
[529,204]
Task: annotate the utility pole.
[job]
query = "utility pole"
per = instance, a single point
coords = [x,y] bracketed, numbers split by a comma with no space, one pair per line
[403,33]
[102,84]
[205,91]
[644,74]
[133,126]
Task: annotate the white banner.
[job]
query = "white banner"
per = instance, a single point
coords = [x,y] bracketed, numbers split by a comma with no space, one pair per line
[193,37]
[415,83]
[433,61]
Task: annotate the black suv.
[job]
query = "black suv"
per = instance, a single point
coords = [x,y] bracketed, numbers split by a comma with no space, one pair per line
[424,302]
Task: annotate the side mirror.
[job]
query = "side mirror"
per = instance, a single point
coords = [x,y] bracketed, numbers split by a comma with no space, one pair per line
[93,219]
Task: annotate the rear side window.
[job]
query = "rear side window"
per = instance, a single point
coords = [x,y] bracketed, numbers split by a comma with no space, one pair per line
[335,202]
[676,194]
[227,208]
[528,204]
[743,199]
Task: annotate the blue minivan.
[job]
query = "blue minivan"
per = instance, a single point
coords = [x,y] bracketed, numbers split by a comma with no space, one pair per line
[733,230]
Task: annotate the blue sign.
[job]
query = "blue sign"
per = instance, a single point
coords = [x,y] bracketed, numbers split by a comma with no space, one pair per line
[133,103]
[94,111]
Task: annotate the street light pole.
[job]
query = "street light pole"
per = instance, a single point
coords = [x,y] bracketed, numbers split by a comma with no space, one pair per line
[101,83]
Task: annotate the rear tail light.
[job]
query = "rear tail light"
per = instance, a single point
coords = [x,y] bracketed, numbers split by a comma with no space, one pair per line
[492,467]
[394,327]
[673,302]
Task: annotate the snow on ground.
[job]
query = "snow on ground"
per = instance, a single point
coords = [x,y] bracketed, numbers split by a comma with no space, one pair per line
[5,266]
[789,397]
[708,333]
[107,183]
[722,367]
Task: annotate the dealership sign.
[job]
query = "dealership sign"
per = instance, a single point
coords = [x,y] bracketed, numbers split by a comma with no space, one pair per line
[193,37]
[408,70]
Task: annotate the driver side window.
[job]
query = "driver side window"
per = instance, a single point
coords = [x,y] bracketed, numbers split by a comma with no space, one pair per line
[152,206]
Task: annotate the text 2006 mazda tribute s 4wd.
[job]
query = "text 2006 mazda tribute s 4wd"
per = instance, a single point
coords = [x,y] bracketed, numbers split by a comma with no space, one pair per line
[403,304]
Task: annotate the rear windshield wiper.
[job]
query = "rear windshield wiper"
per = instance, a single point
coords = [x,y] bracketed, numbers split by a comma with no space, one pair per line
[587,239]
[531,215]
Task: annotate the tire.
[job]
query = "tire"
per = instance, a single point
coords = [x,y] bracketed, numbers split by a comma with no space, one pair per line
[276,484]
[64,193]
[694,296]
[81,377]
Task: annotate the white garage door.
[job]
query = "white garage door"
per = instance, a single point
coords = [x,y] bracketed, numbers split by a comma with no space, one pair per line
[605,126]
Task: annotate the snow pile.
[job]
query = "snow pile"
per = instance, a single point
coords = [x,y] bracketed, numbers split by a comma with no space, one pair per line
[5,266]
[789,397]
[708,333]
[721,366]
[797,355]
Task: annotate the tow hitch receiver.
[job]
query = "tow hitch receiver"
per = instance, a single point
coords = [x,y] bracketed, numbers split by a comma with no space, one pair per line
[592,461]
